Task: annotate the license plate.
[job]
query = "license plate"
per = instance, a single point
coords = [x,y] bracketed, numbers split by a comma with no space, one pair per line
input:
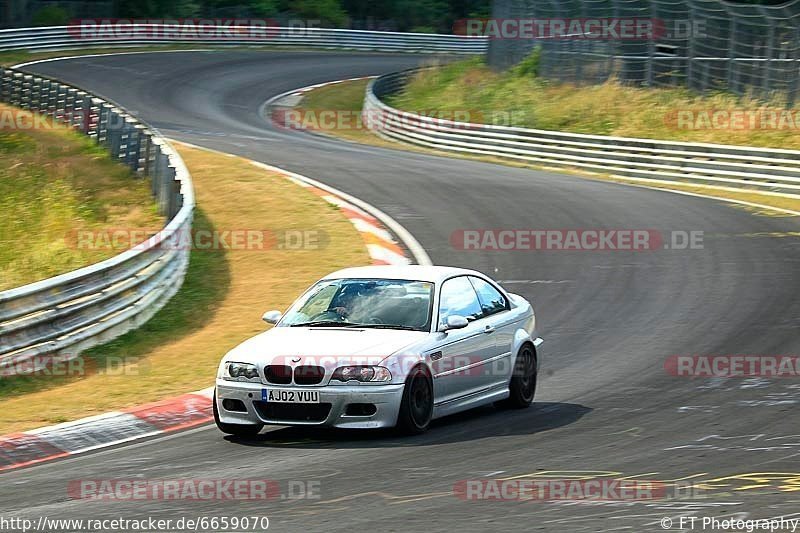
[289,396]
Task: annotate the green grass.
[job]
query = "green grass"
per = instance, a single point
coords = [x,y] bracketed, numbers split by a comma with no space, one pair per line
[518,98]
[53,183]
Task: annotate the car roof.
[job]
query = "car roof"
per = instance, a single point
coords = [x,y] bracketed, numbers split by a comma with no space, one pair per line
[433,274]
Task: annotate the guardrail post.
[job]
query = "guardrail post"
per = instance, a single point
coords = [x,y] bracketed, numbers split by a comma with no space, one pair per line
[42,92]
[156,170]
[174,197]
[52,98]
[61,102]
[147,153]
[5,79]
[35,94]
[16,87]
[25,95]
[103,123]
[69,106]
[138,149]
[165,189]
[114,133]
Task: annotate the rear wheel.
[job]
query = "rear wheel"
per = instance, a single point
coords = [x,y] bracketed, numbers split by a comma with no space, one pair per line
[237,430]
[523,381]
[416,409]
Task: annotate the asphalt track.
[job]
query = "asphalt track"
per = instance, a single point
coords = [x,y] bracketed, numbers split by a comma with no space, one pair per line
[605,406]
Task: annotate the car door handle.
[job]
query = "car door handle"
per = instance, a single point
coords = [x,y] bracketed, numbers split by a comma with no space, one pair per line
[488,329]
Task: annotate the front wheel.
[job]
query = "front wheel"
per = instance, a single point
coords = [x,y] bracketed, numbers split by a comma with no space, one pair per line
[523,383]
[416,409]
[237,430]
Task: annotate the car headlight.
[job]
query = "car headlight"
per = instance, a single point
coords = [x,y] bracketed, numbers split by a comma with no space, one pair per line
[362,373]
[241,370]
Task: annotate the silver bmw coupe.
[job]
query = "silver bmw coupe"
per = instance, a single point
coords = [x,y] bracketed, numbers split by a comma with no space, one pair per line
[382,346]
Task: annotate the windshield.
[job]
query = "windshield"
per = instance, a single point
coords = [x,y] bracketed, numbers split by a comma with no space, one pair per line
[371,303]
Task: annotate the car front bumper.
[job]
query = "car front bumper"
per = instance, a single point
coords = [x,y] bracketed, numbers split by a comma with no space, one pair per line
[385,398]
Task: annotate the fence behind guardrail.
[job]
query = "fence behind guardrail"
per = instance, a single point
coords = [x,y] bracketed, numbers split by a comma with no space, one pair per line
[700,44]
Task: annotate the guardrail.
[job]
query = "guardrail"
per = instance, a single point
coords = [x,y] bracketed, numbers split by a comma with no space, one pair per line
[762,169]
[61,316]
[86,36]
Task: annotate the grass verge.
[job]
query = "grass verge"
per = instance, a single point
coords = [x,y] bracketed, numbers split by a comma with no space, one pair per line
[55,182]
[346,100]
[516,97]
[348,96]
[219,305]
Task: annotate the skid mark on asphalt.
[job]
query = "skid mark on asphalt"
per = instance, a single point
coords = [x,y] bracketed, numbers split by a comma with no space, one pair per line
[771,234]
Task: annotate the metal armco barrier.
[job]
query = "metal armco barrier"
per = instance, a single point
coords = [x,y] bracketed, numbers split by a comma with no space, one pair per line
[68,37]
[62,316]
[762,169]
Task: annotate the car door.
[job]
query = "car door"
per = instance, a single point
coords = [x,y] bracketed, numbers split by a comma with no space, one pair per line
[496,316]
[458,357]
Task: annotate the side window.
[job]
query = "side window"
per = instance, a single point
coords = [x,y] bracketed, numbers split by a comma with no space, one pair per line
[458,298]
[490,298]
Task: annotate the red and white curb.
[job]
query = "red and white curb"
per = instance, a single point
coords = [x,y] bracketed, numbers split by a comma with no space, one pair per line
[108,429]
[194,409]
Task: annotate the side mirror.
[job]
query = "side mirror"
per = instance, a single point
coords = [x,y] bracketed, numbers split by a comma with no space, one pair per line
[272,317]
[455,322]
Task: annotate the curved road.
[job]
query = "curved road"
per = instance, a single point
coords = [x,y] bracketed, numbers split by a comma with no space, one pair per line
[610,320]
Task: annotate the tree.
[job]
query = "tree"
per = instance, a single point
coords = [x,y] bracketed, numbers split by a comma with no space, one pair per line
[328,12]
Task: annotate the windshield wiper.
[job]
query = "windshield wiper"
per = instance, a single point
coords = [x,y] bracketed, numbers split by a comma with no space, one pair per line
[388,326]
[333,323]
[322,323]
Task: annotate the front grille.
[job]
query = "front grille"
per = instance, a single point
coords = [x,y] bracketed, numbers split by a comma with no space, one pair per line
[293,412]
[308,375]
[278,374]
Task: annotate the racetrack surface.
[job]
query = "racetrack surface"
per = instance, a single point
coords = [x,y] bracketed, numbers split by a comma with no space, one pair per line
[610,320]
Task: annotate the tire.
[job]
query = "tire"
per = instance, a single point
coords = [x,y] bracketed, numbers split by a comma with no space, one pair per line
[416,409]
[523,382]
[237,430]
